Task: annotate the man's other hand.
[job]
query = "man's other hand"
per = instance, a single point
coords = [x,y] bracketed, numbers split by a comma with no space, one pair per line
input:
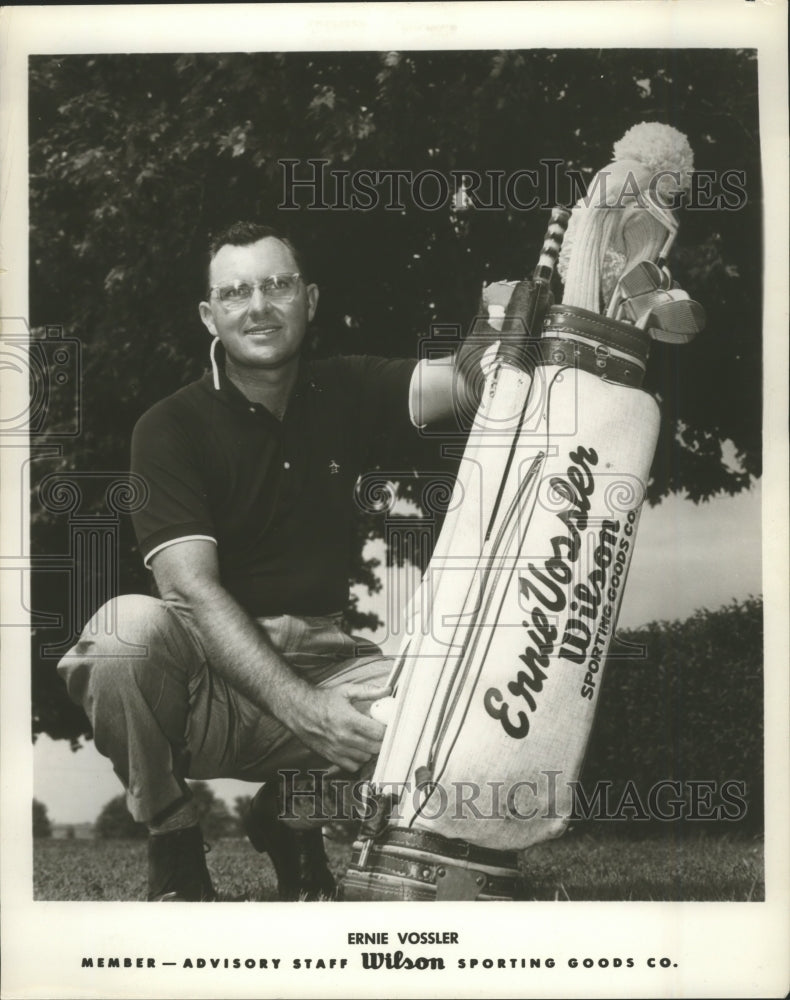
[334,723]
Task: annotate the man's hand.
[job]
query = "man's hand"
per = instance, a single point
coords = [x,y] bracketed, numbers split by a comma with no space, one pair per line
[452,387]
[331,722]
[506,314]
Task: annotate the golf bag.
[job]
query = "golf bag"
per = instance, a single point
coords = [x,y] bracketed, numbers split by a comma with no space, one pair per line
[496,690]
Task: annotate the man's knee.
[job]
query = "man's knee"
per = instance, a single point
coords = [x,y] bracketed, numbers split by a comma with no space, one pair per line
[117,644]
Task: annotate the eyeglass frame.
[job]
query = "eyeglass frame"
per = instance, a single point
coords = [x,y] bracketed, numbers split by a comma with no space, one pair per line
[296,275]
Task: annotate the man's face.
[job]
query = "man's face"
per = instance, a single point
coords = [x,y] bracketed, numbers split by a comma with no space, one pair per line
[264,334]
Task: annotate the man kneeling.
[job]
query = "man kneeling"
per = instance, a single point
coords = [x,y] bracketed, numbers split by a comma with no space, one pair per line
[241,667]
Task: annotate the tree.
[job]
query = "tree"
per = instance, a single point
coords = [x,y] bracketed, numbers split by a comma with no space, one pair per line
[241,804]
[115,822]
[214,817]
[133,159]
[42,827]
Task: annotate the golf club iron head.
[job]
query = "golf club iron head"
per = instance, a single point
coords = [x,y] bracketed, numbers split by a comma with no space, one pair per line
[670,315]
[642,278]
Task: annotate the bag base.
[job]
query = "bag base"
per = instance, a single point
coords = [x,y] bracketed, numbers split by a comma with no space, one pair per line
[416,865]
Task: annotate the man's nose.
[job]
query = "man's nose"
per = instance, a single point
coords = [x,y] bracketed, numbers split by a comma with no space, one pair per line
[259,303]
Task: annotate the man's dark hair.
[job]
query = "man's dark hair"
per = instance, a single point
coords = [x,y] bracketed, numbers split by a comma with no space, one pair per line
[244,234]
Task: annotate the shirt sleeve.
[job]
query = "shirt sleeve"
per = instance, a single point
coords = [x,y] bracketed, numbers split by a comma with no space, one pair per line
[165,454]
[384,411]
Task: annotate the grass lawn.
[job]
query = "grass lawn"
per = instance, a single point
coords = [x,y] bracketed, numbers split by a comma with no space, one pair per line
[579,866]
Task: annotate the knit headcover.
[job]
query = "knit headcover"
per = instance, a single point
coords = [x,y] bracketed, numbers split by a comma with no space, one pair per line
[625,216]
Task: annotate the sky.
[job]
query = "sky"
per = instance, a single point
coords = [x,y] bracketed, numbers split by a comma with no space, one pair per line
[687,557]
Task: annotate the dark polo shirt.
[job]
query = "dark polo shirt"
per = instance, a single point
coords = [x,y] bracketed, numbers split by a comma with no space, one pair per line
[277,497]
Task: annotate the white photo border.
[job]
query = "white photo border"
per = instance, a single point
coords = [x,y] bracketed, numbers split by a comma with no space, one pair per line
[717,949]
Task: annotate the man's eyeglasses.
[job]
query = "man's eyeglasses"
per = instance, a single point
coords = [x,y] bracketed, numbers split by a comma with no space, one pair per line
[237,295]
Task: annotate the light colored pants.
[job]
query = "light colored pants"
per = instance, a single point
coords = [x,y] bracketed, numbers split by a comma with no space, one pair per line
[162,714]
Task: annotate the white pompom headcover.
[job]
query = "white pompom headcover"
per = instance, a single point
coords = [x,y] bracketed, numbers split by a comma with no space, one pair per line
[626,214]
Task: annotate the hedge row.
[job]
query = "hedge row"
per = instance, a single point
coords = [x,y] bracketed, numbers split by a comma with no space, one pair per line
[683,701]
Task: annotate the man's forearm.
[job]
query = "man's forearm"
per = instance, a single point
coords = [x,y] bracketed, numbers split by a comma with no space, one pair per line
[240,651]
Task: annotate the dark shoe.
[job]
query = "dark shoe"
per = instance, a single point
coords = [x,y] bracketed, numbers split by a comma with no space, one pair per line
[298,856]
[177,869]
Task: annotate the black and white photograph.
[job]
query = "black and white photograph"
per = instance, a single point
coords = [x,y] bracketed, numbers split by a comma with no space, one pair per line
[394,448]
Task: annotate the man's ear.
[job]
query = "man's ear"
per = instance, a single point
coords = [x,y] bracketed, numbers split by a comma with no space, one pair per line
[312,302]
[207,318]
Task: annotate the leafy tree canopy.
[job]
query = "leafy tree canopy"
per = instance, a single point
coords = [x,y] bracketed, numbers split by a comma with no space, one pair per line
[42,826]
[213,815]
[116,822]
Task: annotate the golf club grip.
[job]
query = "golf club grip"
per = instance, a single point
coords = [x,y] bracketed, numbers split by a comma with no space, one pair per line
[552,244]
[541,297]
[531,299]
